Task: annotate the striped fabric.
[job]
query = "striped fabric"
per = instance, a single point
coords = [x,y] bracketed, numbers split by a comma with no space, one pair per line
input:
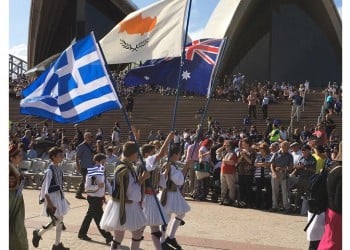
[75,88]
[96,170]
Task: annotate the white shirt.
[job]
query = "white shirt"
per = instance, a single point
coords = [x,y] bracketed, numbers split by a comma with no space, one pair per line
[296,156]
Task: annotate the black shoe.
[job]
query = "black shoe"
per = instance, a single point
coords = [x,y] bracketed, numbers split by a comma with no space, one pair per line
[109,240]
[36,238]
[114,245]
[84,237]
[59,247]
[173,243]
[80,196]
[165,246]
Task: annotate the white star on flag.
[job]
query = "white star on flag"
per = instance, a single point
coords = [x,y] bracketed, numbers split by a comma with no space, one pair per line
[146,78]
[186,75]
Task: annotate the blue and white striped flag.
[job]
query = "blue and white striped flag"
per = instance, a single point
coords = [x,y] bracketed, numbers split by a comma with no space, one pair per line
[75,88]
[96,170]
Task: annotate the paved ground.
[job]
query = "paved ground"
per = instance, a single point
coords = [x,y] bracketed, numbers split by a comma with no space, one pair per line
[208,226]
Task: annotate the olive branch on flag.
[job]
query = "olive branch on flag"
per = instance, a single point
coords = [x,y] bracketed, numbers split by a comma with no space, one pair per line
[129,46]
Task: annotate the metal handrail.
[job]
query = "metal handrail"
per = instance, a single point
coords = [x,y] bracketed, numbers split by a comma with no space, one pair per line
[27,117]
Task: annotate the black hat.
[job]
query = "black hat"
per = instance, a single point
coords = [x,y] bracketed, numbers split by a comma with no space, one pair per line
[320,149]
[305,147]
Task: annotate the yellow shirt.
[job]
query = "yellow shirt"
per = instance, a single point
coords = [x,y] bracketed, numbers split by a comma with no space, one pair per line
[319,163]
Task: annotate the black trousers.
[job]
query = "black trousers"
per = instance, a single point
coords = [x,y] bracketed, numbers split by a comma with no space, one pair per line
[95,212]
[246,188]
[264,111]
[252,110]
[263,200]
[314,244]
[81,188]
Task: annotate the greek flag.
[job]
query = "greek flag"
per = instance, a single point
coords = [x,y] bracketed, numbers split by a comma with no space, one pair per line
[74,88]
[96,170]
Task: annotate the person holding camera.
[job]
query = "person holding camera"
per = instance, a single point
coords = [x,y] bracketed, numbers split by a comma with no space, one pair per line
[245,168]
[262,176]
[203,169]
[228,171]
[305,168]
[281,164]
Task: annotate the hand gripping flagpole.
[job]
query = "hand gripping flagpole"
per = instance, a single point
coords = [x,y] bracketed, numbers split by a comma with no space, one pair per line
[181,65]
[133,137]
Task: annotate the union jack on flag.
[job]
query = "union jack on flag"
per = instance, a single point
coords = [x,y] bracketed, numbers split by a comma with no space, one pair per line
[200,59]
[202,49]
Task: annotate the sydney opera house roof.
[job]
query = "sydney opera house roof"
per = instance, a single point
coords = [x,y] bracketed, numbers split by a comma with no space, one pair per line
[54,24]
[277,40]
[283,40]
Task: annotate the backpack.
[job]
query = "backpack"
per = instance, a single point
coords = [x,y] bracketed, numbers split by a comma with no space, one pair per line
[317,196]
[246,121]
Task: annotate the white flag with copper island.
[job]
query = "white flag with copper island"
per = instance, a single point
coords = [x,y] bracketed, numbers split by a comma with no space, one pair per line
[153,32]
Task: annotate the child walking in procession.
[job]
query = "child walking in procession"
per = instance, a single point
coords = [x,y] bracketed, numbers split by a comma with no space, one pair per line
[55,204]
[172,199]
[124,212]
[155,214]
[95,186]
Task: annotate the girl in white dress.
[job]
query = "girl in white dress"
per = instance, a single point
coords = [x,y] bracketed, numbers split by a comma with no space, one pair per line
[55,204]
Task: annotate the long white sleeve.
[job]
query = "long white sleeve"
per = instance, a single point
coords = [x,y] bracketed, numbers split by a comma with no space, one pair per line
[151,163]
[176,176]
[46,184]
[134,190]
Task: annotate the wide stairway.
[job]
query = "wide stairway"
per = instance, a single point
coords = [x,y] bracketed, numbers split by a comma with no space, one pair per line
[153,111]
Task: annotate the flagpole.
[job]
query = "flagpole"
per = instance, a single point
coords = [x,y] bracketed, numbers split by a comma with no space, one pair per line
[181,65]
[133,137]
[212,85]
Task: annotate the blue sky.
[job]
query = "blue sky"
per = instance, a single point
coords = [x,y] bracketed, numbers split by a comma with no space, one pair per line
[19,20]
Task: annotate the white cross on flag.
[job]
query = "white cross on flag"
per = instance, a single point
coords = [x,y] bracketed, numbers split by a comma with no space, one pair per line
[75,88]
[153,32]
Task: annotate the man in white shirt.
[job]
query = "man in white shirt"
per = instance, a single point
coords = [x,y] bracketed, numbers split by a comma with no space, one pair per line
[110,157]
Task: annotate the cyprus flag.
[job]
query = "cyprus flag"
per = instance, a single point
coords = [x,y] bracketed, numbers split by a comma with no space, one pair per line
[153,32]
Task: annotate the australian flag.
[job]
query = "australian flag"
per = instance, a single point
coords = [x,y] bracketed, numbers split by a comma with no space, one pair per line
[199,62]
[74,88]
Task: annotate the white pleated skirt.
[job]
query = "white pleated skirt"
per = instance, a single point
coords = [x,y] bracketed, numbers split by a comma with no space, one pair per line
[135,218]
[152,212]
[62,205]
[316,228]
[176,203]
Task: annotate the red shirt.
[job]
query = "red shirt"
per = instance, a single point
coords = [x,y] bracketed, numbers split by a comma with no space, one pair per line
[226,168]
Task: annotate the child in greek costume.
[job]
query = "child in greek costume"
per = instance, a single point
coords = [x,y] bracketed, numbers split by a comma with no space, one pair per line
[172,199]
[124,212]
[155,214]
[55,204]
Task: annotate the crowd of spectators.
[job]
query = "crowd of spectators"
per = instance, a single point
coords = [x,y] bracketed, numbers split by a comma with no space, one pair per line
[251,147]
[16,85]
